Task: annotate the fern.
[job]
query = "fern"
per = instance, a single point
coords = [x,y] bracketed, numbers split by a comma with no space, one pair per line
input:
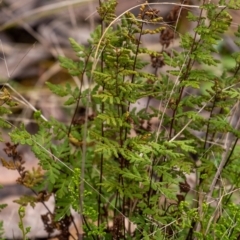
[115,164]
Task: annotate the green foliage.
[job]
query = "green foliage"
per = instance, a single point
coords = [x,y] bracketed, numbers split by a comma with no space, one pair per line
[25,200]
[1,230]
[2,206]
[113,165]
[6,102]
[25,231]
[234,4]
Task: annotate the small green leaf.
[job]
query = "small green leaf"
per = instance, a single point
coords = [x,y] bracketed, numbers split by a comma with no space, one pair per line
[57,89]
[70,101]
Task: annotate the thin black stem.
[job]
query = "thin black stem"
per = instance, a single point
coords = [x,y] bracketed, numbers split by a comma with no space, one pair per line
[86,224]
[79,95]
[136,54]
[189,66]
[208,125]
[102,133]
[231,153]
[174,112]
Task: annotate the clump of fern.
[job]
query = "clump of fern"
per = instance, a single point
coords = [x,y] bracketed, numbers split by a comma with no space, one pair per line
[124,178]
